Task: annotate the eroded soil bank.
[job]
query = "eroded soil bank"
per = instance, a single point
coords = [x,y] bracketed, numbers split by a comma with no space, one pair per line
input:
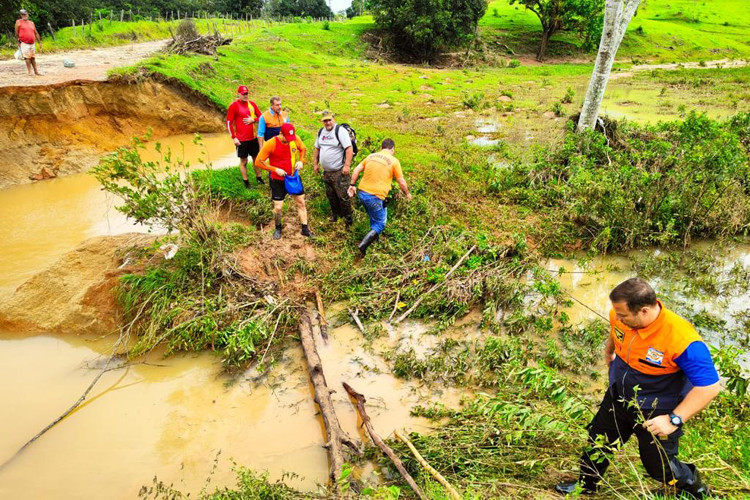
[65,128]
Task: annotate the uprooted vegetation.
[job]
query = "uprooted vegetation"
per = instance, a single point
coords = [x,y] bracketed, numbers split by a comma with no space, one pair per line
[640,185]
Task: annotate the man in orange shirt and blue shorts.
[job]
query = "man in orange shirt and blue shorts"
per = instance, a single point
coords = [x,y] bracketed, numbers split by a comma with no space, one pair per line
[660,375]
[379,171]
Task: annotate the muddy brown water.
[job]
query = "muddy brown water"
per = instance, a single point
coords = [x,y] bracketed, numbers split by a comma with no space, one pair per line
[175,418]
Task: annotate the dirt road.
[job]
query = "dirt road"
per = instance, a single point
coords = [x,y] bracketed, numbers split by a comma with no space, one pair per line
[90,65]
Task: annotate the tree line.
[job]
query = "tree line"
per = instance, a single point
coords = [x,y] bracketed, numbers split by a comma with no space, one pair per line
[58,13]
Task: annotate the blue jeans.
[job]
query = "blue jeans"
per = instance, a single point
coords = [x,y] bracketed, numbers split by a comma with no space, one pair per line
[375,209]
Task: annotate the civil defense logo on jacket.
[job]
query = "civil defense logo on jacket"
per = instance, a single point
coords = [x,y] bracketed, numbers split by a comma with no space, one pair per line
[654,356]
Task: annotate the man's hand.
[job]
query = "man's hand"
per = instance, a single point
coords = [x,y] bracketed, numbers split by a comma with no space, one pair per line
[408,196]
[280,172]
[248,120]
[298,165]
[660,426]
[609,357]
[351,191]
[236,141]
[346,170]
[316,168]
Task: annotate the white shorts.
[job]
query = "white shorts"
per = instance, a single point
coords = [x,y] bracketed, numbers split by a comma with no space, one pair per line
[28,50]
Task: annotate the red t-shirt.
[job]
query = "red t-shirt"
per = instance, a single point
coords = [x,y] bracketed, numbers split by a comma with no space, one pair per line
[236,112]
[26,31]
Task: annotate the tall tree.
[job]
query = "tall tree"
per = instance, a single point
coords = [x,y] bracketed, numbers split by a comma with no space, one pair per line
[559,15]
[617,16]
[420,29]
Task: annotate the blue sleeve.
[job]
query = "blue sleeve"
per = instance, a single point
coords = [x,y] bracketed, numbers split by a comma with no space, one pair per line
[261,126]
[697,364]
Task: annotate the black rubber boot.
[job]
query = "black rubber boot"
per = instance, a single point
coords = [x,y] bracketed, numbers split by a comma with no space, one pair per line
[696,487]
[367,241]
[259,180]
[568,488]
[277,233]
[246,182]
[333,218]
[306,231]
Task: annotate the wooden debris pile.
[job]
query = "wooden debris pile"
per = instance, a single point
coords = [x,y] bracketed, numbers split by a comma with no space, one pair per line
[202,44]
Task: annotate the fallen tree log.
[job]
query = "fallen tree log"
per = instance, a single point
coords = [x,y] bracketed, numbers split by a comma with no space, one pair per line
[322,321]
[360,399]
[335,435]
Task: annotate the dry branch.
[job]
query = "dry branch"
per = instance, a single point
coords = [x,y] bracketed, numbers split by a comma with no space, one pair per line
[335,435]
[360,399]
[206,45]
[435,286]
[355,316]
[426,466]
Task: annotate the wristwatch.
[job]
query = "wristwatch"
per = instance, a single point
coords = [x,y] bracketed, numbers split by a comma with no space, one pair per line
[676,420]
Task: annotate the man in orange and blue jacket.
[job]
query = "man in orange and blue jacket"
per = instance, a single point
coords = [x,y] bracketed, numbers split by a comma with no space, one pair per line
[660,375]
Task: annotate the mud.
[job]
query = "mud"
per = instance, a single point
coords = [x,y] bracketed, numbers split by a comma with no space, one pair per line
[67,127]
[76,294]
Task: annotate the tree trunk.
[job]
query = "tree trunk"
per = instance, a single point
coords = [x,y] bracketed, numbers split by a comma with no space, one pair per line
[335,435]
[617,16]
[546,35]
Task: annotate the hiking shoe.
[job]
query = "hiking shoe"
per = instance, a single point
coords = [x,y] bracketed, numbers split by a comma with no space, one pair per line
[568,488]
[277,234]
[696,488]
[247,183]
[306,231]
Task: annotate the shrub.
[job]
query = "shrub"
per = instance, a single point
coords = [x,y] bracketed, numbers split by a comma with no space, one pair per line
[419,30]
[557,108]
[514,63]
[639,186]
[326,25]
[569,95]
[186,30]
[472,100]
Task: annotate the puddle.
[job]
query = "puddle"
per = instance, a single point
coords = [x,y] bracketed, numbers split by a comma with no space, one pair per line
[172,417]
[591,284]
[487,126]
[39,222]
[483,141]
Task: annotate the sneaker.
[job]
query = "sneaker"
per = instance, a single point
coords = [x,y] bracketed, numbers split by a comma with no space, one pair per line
[277,234]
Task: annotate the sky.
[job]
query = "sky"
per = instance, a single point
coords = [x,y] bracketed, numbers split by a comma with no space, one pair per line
[337,5]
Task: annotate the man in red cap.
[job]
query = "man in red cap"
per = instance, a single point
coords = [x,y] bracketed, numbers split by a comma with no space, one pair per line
[241,118]
[285,154]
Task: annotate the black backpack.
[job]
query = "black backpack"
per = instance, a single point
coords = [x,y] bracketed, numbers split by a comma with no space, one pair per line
[352,135]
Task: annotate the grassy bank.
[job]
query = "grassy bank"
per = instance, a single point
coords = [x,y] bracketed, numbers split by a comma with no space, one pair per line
[539,372]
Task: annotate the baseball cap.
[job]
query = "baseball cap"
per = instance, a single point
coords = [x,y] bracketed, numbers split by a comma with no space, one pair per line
[242,90]
[288,131]
[22,11]
[327,115]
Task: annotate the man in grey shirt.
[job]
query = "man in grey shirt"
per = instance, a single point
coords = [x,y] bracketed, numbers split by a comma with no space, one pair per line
[334,152]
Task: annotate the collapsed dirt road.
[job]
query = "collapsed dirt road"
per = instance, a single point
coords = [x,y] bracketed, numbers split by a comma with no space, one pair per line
[90,65]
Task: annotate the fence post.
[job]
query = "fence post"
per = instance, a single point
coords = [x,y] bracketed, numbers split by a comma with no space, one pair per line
[73,23]
[51,31]
[130,15]
[122,14]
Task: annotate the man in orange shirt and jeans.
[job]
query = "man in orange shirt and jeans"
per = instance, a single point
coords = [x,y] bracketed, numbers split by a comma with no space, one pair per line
[242,115]
[379,171]
[285,154]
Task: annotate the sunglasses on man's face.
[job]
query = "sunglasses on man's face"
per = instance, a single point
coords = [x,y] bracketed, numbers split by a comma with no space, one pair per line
[246,93]
[327,121]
